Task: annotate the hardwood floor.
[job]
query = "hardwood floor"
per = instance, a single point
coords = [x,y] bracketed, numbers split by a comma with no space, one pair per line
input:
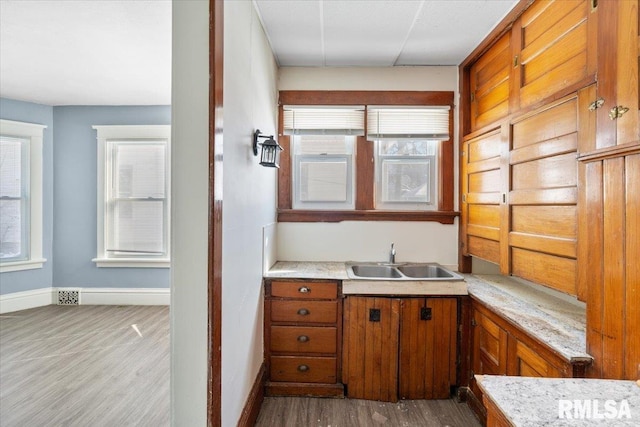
[307,411]
[85,366]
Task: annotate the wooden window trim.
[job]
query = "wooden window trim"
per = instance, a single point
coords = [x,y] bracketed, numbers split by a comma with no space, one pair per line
[364,164]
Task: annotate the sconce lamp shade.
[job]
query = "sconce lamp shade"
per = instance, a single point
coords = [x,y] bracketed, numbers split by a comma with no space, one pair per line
[270,156]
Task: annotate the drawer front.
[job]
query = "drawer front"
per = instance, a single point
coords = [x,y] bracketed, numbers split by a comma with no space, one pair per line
[304,289]
[300,339]
[303,369]
[304,311]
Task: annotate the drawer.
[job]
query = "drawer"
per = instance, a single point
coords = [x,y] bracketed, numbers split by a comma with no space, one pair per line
[303,339]
[304,289]
[304,311]
[303,369]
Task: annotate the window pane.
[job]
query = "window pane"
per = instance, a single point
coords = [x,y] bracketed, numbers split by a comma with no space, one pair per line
[10,167]
[140,170]
[324,181]
[10,229]
[406,181]
[138,226]
[407,147]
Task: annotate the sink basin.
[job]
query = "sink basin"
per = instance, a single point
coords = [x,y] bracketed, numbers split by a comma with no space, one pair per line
[381,271]
[399,272]
[425,271]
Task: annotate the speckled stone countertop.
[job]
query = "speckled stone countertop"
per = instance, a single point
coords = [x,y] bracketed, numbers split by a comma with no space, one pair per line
[308,270]
[541,402]
[558,322]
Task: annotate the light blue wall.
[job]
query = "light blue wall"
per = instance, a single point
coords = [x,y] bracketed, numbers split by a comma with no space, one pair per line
[39,278]
[75,207]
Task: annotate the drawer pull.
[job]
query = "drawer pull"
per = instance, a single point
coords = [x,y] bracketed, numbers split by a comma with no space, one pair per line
[303,338]
[303,368]
[304,290]
[303,312]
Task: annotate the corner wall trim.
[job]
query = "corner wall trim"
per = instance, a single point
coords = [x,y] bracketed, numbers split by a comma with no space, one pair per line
[17,301]
[254,401]
[88,296]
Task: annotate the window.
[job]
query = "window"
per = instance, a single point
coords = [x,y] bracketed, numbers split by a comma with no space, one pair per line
[323,142]
[401,169]
[133,196]
[20,196]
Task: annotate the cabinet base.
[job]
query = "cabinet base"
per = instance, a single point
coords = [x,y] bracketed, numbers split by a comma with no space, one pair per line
[273,388]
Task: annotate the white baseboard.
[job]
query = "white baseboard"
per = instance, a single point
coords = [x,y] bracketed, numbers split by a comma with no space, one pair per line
[124,296]
[88,296]
[24,300]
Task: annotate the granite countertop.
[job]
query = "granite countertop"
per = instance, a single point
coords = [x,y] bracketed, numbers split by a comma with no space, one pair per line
[541,402]
[308,270]
[558,322]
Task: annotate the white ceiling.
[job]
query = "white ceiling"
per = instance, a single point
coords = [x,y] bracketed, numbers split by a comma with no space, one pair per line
[377,32]
[118,52]
[89,52]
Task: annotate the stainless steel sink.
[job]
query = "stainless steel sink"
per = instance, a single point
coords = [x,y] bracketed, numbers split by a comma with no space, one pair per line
[381,271]
[400,272]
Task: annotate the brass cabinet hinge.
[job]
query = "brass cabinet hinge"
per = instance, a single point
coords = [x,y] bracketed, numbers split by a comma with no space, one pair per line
[473,322]
[473,96]
[596,104]
[515,61]
[617,112]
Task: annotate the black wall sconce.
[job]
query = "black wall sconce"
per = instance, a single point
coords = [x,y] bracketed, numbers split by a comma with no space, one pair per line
[270,156]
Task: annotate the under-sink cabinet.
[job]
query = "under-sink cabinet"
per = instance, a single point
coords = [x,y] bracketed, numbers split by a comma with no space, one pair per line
[302,326]
[399,347]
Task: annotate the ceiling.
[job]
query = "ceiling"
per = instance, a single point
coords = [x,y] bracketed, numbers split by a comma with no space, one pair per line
[377,32]
[118,52]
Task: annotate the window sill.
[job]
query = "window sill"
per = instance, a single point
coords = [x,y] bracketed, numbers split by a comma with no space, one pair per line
[132,263]
[30,264]
[293,215]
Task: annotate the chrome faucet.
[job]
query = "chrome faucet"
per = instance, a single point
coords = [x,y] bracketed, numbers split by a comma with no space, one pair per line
[392,255]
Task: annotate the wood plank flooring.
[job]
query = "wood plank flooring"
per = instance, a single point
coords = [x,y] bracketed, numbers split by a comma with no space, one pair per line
[85,366]
[307,411]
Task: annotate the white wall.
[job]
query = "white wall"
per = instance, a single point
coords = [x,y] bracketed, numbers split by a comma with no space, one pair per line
[250,102]
[370,241]
[189,197]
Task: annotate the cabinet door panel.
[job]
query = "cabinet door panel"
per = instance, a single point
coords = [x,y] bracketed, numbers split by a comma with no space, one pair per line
[427,347]
[527,363]
[370,353]
[489,346]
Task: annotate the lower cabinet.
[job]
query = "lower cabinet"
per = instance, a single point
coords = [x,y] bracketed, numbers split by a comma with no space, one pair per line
[399,347]
[303,324]
[499,348]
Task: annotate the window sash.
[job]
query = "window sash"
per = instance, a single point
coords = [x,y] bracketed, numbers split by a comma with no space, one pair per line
[14,199]
[136,231]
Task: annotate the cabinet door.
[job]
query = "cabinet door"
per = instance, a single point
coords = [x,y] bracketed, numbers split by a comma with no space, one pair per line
[482,193]
[427,347]
[525,362]
[370,350]
[618,73]
[489,346]
[489,84]
[554,49]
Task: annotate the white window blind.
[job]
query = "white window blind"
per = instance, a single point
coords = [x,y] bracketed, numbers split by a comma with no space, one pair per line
[137,205]
[300,120]
[14,212]
[408,123]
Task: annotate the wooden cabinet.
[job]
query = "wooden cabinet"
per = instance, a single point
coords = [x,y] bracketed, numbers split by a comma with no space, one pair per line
[399,347]
[303,325]
[618,75]
[500,348]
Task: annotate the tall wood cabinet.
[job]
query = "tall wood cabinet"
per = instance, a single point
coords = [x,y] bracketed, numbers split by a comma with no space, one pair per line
[399,347]
[549,189]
